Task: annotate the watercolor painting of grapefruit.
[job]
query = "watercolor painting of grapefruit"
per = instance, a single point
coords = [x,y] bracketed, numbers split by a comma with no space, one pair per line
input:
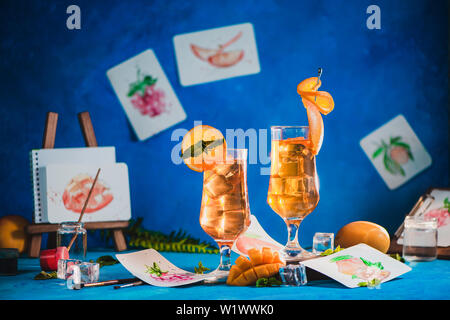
[76,192]
[219,57]
[244,243]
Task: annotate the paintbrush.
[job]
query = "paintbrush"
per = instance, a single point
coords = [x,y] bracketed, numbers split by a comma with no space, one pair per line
[84,209]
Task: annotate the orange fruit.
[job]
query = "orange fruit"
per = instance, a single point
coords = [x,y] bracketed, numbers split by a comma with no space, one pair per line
[202,147]
[12,232]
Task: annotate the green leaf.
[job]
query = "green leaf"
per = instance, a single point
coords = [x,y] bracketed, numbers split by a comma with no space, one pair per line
[201,146]
[446,203]
[46,275]
[329,251]
[395,139]
[372,264]
[200,268]
[392,166]
[155,269]
[397,257]
[268,282]
[378,152]
[106,261]
[139,85]
[339,258]
[362,284]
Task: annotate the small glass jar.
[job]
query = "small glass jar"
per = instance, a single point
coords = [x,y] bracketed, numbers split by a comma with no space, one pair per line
[420,239]
[69,230]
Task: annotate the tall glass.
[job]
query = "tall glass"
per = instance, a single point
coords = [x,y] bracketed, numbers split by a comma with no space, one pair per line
[294,185]
[225,212]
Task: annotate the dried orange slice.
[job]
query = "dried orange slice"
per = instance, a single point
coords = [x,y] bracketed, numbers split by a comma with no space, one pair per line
[202,147]
[315,102]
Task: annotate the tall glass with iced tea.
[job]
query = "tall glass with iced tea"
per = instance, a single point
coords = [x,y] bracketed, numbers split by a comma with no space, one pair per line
[225,212]
[294,186]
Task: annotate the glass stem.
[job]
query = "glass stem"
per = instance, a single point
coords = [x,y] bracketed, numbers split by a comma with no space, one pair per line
[292,226]
[225,257]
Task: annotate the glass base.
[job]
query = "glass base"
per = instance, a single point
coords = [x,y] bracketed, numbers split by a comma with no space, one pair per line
[217,276]
[297,254]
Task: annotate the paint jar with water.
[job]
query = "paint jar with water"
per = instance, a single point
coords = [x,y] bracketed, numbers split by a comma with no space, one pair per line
[420,239]
[76,233]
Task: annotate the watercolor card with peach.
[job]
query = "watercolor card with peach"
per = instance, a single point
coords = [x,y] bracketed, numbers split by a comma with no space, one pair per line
[396,152]
[216,54]
[66,187]
[358,266]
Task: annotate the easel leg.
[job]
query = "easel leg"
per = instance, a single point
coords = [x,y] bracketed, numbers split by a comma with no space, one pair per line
[119,240]
[35,245]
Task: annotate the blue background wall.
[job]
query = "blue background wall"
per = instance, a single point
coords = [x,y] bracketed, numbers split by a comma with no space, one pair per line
[373,75]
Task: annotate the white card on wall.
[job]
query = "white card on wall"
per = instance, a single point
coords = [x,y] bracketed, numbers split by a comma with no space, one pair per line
[396,152]
[216,54]
[146,95]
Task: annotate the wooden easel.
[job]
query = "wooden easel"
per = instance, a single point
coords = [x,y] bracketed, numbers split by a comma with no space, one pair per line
[35,230]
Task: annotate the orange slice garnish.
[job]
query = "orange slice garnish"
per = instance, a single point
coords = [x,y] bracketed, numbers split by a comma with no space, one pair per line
[202,147]
[315,102]
[316,127]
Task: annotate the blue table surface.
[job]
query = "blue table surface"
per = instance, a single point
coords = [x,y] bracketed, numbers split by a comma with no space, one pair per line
[426,281]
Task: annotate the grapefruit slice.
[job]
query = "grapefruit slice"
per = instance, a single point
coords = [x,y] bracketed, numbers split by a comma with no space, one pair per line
[226,59]
[202,53]
[202,147]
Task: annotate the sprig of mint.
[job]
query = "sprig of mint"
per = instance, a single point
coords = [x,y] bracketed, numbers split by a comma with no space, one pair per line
[155,269]
[200,268]
[46,275]
[397,257]
[268,282]
[330,251]
[200,147]
[371,283]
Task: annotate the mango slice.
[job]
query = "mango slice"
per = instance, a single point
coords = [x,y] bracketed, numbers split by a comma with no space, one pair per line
[263,263]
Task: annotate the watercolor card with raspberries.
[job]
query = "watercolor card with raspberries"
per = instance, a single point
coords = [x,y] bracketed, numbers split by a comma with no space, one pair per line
[396,152]
[146,95]
[151,267]
[216,54]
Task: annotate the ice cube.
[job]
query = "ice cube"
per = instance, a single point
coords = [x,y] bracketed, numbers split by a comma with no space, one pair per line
[299,185]
[217,185]
[65,267]
[293,275]
[233,201]
[276,185]
[288,167]
[89,272]
[210,215]
[322,242]
[234,221]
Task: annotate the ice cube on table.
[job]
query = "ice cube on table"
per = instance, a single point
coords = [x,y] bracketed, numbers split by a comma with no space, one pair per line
[293,275]
[322,241]
[65,267]
[85,272]
[217,185]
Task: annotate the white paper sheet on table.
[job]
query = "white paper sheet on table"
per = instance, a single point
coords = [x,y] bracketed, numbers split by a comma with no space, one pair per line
[138,264]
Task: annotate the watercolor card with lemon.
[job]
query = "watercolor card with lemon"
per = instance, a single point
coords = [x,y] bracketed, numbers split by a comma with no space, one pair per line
[396,152]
